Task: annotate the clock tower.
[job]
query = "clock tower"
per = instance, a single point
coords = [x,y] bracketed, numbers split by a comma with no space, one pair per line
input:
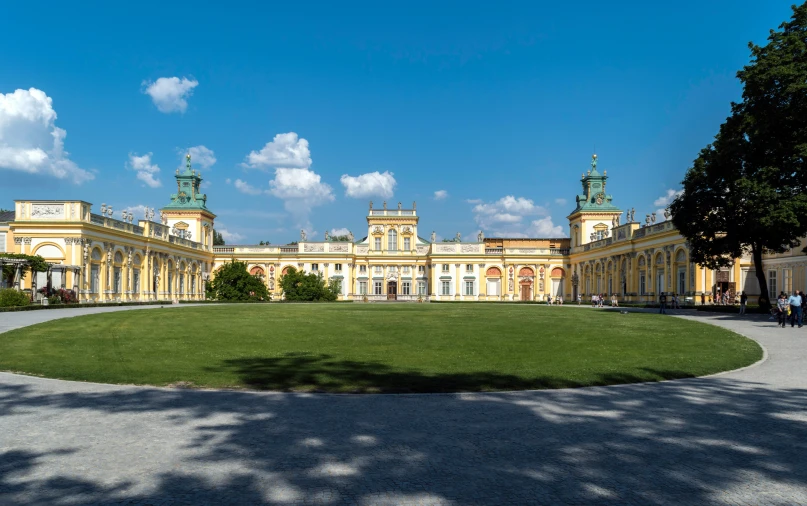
[594,215]
[187,214]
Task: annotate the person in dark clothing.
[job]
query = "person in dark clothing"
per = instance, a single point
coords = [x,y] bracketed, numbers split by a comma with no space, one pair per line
[662,308]
[743,301]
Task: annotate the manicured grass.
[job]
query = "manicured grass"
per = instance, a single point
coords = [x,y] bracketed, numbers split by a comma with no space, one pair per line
[374,348]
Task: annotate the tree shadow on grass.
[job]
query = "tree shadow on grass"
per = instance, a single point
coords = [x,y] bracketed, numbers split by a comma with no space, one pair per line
[315,372]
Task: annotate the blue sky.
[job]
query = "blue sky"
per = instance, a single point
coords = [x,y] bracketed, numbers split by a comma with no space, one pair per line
[498,105]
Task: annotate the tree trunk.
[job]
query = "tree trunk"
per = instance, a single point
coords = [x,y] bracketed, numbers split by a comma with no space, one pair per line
[764,298]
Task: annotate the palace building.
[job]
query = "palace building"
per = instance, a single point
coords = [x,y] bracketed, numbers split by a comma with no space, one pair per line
[106,259]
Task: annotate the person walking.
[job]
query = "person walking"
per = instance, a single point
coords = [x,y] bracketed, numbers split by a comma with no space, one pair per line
[795,309]
[662,306]
[560,300]
[615,302]
[579,299]
[743,301]
[781,306]
[601,300]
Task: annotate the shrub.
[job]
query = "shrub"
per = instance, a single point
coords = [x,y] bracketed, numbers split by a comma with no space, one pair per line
[10,297]
[232,282]
[301,287]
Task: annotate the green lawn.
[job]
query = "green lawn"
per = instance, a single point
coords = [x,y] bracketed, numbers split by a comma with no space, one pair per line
[374,348]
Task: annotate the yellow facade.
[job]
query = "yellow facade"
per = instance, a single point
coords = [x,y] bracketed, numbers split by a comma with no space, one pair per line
[105,259]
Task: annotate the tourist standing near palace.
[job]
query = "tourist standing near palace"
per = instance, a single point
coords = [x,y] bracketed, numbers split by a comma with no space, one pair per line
[795,309]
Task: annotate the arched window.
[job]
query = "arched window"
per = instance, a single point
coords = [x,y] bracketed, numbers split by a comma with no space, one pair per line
[392,240]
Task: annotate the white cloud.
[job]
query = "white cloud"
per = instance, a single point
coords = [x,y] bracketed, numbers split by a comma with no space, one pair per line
[339,231]
[560,202]
[170,94]
[247,188]
[285,150]
[228,180]
[506,218]
[201,157]
[666,199]
[146,171]
[368,185]
[300,184]
[301,190]
[30,141]
[545,228]
[440,195]
[474,201]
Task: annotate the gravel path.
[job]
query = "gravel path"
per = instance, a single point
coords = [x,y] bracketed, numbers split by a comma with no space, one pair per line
[736,438]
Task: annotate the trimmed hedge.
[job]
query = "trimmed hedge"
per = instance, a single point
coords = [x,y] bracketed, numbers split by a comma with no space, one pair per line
[9,297]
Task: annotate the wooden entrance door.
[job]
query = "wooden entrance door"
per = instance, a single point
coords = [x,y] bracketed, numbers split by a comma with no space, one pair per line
[525,292]
[392,290]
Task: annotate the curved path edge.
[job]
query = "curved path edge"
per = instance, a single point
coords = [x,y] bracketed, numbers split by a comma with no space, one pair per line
[28,318]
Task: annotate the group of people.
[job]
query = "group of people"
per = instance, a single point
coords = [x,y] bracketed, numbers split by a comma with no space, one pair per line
[726,298]
[598,300]
[557,300]
[790,308]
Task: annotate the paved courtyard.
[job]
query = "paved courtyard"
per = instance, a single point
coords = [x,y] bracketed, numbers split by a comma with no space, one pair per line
[736,438]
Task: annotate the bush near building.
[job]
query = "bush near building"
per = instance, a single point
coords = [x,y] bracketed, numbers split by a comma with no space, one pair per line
[232,282]
[10,297]
[301,287]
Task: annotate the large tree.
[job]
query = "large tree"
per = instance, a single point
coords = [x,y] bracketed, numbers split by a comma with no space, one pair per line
[747,191]
[232,282]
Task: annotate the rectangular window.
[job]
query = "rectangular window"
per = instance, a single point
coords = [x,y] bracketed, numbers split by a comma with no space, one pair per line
[95,278]
[469,268]
[170,283]
[314,267]
[377,269]
[445,288]
[363,269]
[182,283]
[682,281]
[117,279]
[493,287]
[136,281]
[421,269]
[787,280]
[642,283]
[772,284]
[445,267]
[193,284]
[362,287]
[407,243]
[377,244]
[406,288]
[469,288]
[421,288]
[337,267]
[2,242]
[392,241]
[406,269]
[377,288]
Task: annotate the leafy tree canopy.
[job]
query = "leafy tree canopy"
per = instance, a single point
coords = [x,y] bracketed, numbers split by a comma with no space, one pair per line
[264,243]
[299,286]
[218,239]
[747,191]
[232,282]
[339,238]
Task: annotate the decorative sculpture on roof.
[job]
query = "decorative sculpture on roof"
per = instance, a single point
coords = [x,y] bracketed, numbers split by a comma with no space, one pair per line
[327,235]
[350,236]
[433,237]
[302,235]
[667,214]
[459,237]
[480,237]
[594,162]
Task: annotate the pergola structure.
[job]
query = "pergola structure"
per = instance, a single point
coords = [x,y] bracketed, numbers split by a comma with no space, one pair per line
[18,264]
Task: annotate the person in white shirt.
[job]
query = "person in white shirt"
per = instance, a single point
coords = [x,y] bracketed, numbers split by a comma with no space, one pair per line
[795,309]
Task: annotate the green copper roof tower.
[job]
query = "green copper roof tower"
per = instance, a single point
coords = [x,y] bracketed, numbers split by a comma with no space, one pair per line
[187,196]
